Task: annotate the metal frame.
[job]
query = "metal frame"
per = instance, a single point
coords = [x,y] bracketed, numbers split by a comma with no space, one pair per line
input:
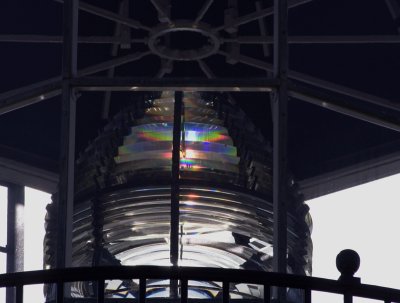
[175,184]
[68,116]
[353,175]
[352,287]
[15,233]
[284,83]
[279,118]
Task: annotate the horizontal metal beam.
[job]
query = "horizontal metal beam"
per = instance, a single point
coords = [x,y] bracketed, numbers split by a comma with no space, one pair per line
[59,39]
[183,84]
[366,39]
[3,249]
[327,104]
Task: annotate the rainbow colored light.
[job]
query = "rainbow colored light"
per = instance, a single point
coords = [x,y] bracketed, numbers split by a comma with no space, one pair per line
[205,146]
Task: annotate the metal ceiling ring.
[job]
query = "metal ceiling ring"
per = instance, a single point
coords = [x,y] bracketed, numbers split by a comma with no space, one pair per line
[160,47]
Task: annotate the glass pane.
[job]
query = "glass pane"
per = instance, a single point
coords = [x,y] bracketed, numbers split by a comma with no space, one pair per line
[3,216]
[3,264]
[319,296]
[363,218]
[3,260]
[122,289]
[35,211]
[204,290]
[33,293]
[3,236]
[246,291]
[157,288]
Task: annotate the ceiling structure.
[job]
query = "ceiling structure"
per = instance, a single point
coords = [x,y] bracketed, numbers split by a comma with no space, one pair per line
[343,116]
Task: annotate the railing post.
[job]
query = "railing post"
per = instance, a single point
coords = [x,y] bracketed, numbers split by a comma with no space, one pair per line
[100,291]
[347,298]
[348,262]
[225,292]
[267,293]
[307,296]
[19,294]
[60,292]
[142,290]
[184,291]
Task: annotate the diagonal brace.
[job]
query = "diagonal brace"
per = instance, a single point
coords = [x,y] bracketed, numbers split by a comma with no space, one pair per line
[92,9]
[43,90]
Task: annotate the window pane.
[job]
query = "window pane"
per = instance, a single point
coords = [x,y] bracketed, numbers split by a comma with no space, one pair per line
[3,216]
[33,293]
[2,271]
[3,260]
[363,218]
[35,211]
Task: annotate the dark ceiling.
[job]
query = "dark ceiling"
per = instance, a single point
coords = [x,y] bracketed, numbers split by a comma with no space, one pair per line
[320,140]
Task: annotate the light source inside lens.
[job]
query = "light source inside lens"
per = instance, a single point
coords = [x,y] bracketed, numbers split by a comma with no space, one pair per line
[122,213]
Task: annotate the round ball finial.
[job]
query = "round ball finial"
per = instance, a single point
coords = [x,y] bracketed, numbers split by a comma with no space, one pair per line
[348,262]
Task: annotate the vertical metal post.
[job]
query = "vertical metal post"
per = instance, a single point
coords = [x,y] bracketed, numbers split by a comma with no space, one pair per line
[347,298]
[175,188]
[225,292]
[279,112]
[267,293]
[100,291]
[184,291]
[15,234]
[142,290]
[19,294]
[176,145]
[67,152]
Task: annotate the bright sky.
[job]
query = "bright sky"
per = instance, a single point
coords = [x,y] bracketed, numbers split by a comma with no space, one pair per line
[34,212]
[364,218]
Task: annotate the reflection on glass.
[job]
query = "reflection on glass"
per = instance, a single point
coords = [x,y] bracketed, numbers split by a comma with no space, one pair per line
[225,221]
[204,146]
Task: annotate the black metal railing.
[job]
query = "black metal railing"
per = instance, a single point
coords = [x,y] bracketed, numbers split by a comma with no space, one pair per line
[347,285]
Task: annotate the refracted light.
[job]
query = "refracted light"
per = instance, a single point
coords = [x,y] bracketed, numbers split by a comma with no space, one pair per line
[225,215]
[135,137]
[155,155]
[204,146]
[205,136]
[166,135]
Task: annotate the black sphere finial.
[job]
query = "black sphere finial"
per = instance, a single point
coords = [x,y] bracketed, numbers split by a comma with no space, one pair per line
[348,262]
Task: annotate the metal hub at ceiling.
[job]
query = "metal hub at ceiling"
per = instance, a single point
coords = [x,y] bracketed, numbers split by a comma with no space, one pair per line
[158,41]
[215,45]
